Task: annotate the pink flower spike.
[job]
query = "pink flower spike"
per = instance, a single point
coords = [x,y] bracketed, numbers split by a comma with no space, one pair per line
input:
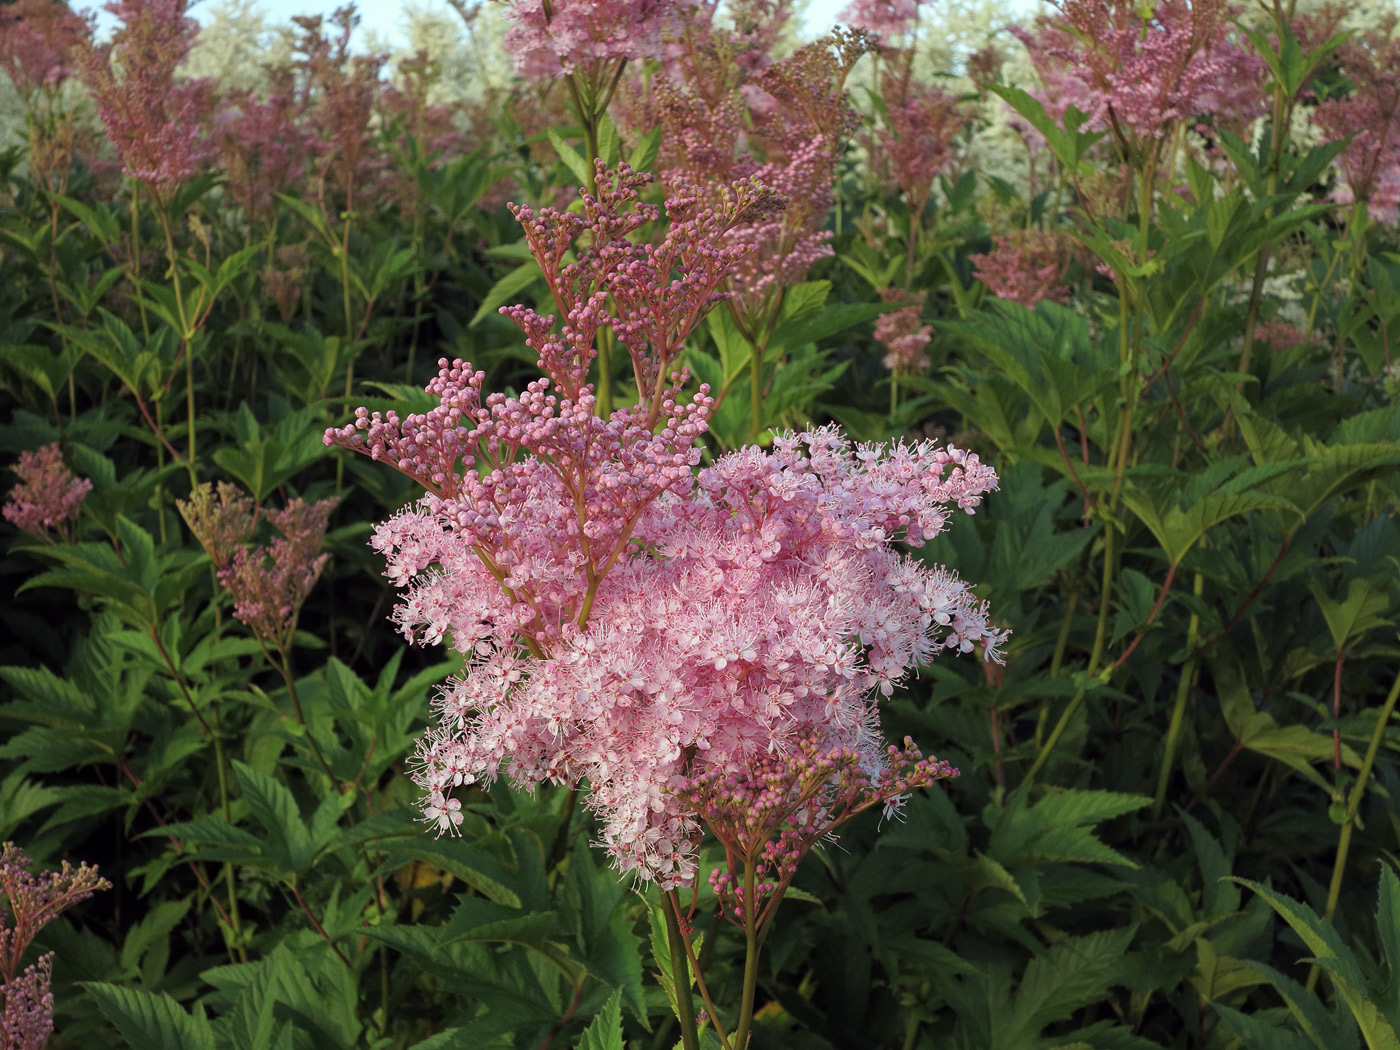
[48,496]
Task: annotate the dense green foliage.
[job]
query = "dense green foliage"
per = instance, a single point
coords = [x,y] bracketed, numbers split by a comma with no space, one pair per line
[1182,786]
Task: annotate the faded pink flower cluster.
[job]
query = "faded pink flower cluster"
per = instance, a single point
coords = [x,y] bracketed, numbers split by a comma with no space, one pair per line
[1369,167]
[923,123]
[902,334]
[625,619]
[270,584]
[889,19]
[552,37]
[48,496]
[37,38]
[1023,268]
[154,118]
[31,902]
[1142,72]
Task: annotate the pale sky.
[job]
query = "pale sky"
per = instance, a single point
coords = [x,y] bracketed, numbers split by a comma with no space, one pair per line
[383,17]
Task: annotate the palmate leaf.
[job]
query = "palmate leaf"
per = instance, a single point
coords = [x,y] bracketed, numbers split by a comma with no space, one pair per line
[152,1022]
[1349,977]
[1057,828]
[605,1032]
[1070,975]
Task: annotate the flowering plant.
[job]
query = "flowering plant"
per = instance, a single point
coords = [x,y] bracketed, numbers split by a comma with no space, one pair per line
[704,649]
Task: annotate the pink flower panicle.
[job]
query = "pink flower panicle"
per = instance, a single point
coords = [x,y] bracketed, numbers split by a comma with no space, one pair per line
[550,39]
[1369,168]
[1143,74]
[924,123]
[37,38]
[624,618]
[887,19]
[155,119]
[901,334]
[262,149]
[769,815]
[270,584]
[1024,268]
[221,519]
[48,496]
[31,902]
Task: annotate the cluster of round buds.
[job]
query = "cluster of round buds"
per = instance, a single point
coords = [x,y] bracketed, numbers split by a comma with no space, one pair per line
[768,815]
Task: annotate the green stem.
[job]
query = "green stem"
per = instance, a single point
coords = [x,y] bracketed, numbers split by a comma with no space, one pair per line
[741,1031]
[1183,692]
[1358,792]
[680,974]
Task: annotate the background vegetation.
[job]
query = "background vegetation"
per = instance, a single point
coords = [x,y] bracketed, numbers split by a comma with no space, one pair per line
[1176,824]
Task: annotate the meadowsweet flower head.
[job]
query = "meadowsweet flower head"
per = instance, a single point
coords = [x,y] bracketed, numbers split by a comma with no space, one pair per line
[1024,267]
[768,814]
[48,496]
[37,38]
[624,618]
[1142,73]
[924,123]
[28,903]
[901,332]
[270,584]
[887,19]
[221,518]
[336,98]
[262,149]
[549,39]
[154,118]
[1369,168]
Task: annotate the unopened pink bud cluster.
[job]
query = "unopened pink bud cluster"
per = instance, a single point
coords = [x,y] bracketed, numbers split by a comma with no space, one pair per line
[625,619]
[48,496]
[28,903]
[768,815]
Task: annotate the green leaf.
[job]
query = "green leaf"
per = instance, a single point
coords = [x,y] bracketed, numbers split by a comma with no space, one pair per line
[289,841]
[506,289]
[151,1022]
[572,158]
[605,1031]
[1338,960]
[1057,828]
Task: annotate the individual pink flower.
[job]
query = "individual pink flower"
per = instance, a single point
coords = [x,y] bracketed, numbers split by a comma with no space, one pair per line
[624,619]
[154,118]
[48,496]
[1024,268]
[28,903]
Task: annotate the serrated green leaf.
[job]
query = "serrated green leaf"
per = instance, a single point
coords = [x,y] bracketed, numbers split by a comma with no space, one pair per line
[151,1022]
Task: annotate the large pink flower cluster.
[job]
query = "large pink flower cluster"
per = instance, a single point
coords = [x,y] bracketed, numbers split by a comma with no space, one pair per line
[551,37]
[37,38]
[625,619]
[1105,58]
[1369,167]
[48,496]
[154,118]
